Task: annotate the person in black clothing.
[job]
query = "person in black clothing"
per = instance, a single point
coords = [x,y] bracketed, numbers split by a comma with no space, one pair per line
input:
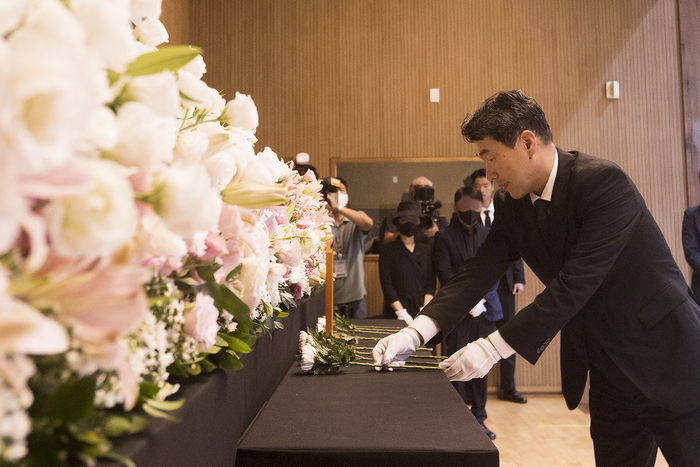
[512,283]
[453,246]
[405,267]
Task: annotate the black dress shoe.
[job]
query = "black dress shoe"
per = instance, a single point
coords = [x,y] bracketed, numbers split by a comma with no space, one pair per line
[488,432]
[514,396]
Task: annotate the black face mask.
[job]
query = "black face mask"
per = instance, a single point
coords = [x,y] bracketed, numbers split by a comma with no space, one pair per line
[469,217]
[408,229]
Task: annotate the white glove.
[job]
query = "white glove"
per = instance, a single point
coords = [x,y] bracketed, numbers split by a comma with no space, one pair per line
[395,348]
[403,314]
[472,361]
[479,308]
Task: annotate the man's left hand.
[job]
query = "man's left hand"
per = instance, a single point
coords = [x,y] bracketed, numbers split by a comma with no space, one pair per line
[472,361]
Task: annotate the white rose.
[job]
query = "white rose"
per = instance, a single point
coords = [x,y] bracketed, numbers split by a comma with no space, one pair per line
[158,92]
[195,67]
[191,146]
[107,31]
[146,140]
[48,92]
[198,94]
[151,32]
[98,222]
[186,202]
[241,112]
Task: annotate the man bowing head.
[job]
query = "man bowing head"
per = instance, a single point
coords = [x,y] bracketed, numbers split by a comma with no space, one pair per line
[612,288]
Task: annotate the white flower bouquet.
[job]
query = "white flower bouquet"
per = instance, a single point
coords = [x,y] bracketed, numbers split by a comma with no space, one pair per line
[140,233]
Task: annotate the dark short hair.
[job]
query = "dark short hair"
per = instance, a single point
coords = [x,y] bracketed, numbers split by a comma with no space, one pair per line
[504,116]
[470,192]
[479,173]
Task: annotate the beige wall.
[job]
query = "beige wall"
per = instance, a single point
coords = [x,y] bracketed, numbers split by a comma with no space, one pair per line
[351,78]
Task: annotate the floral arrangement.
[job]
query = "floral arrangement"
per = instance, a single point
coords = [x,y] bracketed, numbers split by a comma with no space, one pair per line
[140,233]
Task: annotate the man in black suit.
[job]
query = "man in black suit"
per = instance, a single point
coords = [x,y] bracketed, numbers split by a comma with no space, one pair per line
[612,288]
[510,285]
[453,245]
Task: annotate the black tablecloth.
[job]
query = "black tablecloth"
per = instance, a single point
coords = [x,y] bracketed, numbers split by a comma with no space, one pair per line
[220,405]
[361,417]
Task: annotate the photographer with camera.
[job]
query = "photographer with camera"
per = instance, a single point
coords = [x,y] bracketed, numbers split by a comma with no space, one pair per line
[349,231]
[421,190]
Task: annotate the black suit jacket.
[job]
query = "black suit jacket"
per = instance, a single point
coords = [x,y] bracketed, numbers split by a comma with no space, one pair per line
[449,255]
[611,285]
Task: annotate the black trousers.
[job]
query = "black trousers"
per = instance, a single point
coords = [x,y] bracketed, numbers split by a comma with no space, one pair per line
[474,391]
[627,428]
[506,365]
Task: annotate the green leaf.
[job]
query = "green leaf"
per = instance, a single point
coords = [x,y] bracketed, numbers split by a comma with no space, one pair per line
[159,413]
[166,58]
[230,360]
[236,344]
[73,400]
[176,369]
[282,314]
[166,405]
[234,305]
[206,271]
[220,341]
[244,336]
[234,273]
[207,366]
[118,425]
[148,390]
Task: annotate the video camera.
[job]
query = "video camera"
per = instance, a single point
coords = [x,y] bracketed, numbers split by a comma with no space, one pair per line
[429,207]
[329,185]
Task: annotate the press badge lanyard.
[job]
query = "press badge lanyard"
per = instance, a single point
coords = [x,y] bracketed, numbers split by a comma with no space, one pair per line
[339,263]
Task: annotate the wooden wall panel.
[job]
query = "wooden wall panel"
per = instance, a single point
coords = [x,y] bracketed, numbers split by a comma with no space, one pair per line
[351,79]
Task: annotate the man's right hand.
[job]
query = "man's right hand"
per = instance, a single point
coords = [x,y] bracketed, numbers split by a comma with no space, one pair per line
[395,348]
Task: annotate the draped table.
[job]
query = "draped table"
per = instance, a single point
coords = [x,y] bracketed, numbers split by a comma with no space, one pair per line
[220,405]
[363,417]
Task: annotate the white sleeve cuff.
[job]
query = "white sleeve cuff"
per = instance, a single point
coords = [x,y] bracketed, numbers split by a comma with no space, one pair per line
[502,347]
[426,327]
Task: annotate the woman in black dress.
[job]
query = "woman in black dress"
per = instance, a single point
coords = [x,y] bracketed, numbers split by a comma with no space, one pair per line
[406,267]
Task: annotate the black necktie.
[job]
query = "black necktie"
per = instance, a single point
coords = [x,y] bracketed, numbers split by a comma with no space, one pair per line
[487,222]
[542,206]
